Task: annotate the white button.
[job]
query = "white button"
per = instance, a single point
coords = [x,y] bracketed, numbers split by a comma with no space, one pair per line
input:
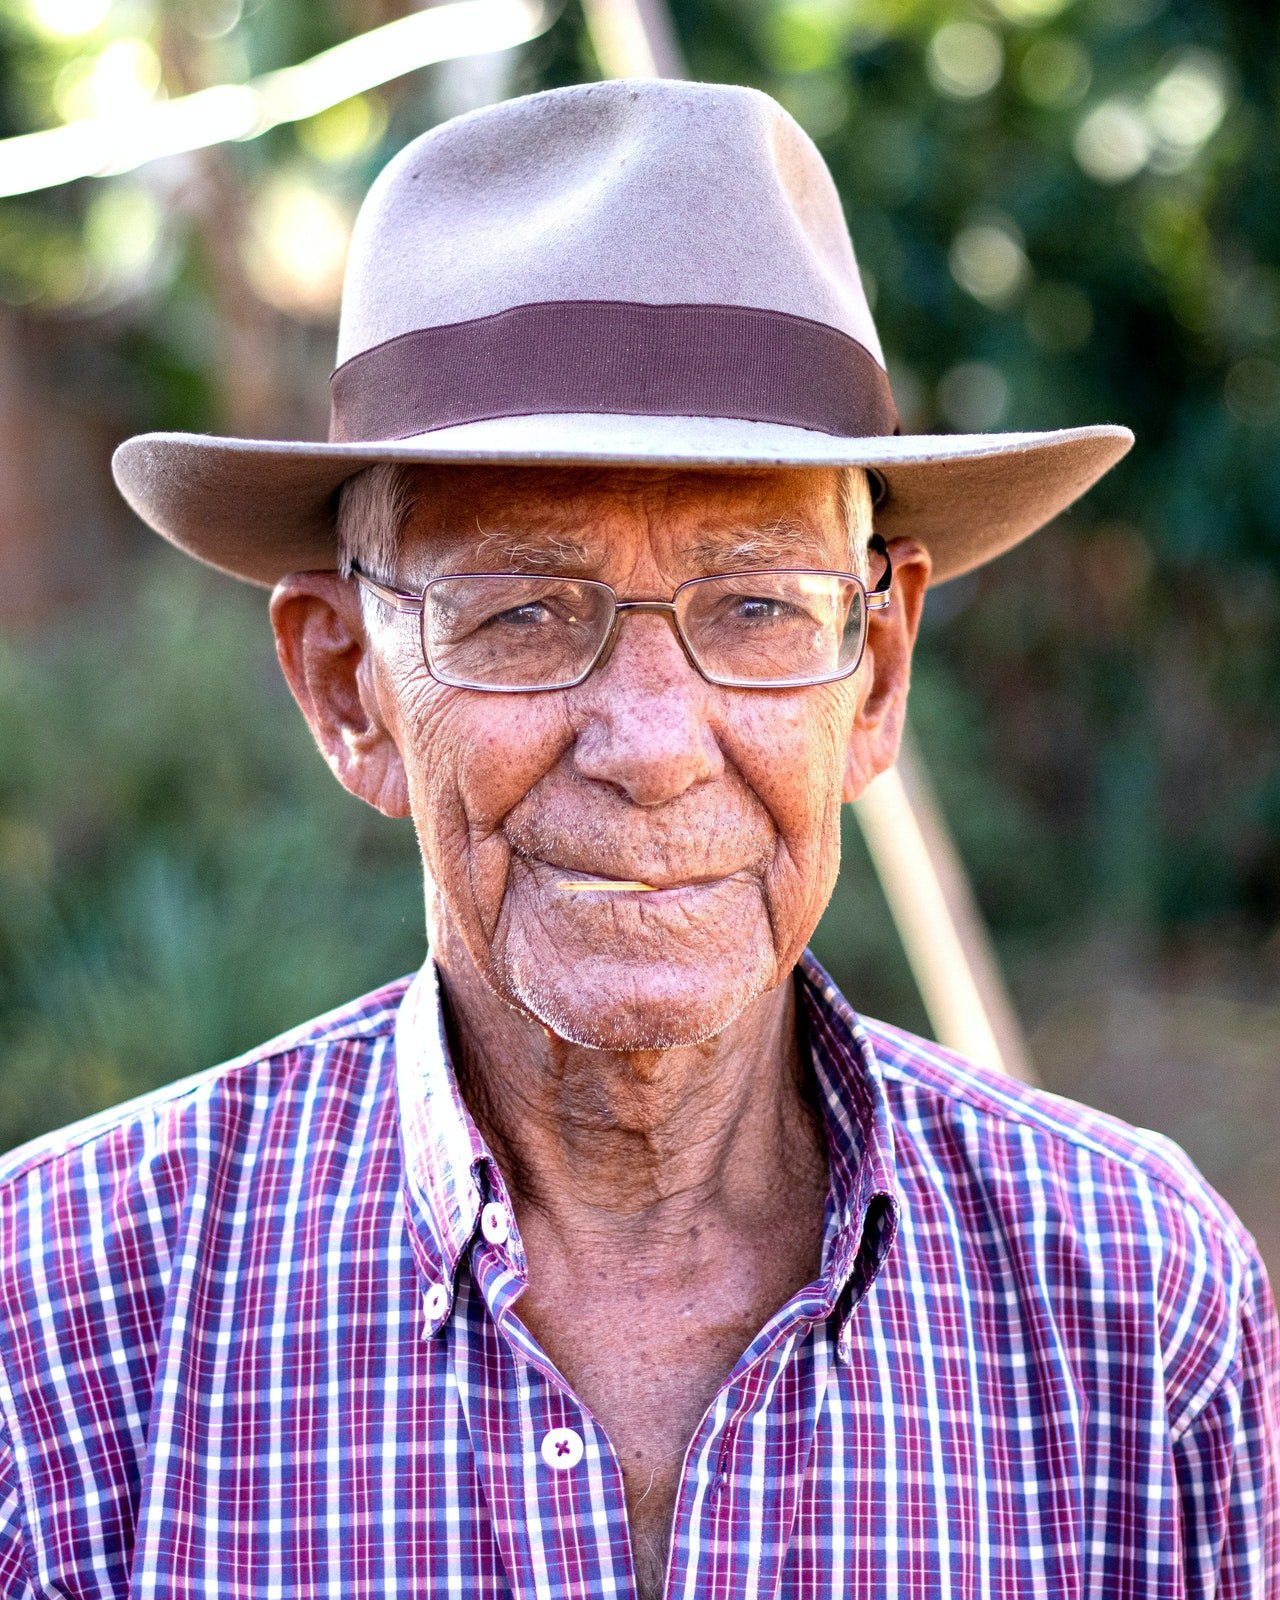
[435,1302]
[562,1449]
[494,1224]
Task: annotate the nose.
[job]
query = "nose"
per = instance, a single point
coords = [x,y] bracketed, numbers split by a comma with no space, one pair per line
[644,716]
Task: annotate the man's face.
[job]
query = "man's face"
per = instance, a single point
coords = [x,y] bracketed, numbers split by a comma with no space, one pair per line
[727,800]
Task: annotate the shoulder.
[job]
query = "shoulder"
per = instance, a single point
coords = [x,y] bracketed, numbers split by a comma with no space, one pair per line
[106,1224]
[113,1226]
[936,1085]
[1094,1206]
[159,1136]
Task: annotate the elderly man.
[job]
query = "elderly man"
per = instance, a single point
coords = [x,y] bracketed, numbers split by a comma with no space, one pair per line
[614,1254]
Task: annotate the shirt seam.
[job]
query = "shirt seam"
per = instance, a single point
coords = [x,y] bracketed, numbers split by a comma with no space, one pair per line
[10,1435]
[1237,1247]
[159,1100]
[1217,1380]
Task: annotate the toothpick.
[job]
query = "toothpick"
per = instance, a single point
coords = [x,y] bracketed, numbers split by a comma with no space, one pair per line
[576,885]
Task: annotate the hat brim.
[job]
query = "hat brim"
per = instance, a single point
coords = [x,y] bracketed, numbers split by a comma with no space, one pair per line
[261,508]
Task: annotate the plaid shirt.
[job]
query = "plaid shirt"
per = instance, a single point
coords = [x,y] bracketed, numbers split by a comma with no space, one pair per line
[260,1338]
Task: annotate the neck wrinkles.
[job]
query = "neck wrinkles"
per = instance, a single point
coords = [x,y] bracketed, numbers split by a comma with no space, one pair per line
[643,1143]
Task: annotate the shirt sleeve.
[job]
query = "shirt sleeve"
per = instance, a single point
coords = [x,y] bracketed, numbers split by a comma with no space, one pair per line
[1228,1465]
[14,1584]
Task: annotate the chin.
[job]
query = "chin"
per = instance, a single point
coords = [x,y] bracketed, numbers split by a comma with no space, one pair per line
[610,1003]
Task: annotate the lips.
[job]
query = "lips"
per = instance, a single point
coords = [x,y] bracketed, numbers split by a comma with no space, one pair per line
[641,882]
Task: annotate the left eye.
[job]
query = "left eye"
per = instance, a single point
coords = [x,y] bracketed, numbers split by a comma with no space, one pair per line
[759,608]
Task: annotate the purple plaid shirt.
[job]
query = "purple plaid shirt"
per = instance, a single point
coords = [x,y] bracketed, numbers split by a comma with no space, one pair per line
[260,1338]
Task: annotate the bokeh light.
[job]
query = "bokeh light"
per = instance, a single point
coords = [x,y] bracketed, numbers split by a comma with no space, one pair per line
[345,132]
[1030,11]
[122,235]
[1252,390]
[297,246]
[965,59]
[1058,317]
[68,19]
[1113,142]
[1055,71]
[123,77]
[988,260]
[215,19]
[1251,301]
[972,396]
[1187,106]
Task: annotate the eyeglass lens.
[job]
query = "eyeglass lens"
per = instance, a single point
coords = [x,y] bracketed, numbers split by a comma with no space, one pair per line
[526,632]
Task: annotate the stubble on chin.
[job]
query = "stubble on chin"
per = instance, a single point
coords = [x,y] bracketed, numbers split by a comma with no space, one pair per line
[614,977]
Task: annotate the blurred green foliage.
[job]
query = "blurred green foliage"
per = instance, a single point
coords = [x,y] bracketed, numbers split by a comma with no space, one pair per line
[1065,213]
[179,875]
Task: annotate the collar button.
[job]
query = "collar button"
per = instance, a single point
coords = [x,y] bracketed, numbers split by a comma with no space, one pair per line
[495,1224]
[434,1305]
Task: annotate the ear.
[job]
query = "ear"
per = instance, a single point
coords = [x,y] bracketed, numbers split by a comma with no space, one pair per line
[323,651]
[886,669]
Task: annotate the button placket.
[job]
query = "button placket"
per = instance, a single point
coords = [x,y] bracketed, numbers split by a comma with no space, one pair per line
[722,1456]
[516,1421]
[706,1551]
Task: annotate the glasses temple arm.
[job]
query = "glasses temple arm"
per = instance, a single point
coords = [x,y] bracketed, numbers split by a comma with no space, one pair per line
[397,599]
[878,598]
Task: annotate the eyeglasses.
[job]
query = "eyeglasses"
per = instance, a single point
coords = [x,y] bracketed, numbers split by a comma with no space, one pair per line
[517,633]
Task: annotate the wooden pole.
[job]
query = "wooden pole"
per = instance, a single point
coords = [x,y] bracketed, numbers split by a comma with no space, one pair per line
[633,38]
[937,917]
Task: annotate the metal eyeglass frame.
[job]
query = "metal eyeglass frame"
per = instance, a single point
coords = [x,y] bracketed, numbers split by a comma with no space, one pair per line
[414,603]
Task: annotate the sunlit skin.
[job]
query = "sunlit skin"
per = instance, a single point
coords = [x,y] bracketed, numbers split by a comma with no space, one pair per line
[630,1056]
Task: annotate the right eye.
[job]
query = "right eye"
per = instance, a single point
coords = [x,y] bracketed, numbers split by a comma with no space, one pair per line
[528,615]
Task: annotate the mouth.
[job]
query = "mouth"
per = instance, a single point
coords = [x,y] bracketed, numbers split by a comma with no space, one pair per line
[577,881]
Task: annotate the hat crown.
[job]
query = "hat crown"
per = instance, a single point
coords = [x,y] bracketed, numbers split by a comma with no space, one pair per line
[638,274]
[656,192]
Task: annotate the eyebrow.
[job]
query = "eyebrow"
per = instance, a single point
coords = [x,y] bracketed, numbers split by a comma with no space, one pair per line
[783,542]
[511,552]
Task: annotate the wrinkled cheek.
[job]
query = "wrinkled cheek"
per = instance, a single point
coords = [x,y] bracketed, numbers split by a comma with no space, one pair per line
[470,761]
[801,788]
[428,747]
[799,885]
[430,743]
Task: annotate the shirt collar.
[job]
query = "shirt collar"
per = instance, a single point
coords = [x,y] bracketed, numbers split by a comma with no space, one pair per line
[443,1152]
[865,1203]
[449,1171]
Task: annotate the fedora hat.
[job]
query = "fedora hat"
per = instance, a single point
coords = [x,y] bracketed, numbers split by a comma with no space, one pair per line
[631,273]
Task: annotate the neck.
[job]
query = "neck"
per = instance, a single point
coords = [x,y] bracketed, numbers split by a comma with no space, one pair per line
[636,1146]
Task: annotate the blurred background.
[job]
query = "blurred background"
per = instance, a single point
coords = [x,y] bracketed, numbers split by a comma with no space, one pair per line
[1065,212]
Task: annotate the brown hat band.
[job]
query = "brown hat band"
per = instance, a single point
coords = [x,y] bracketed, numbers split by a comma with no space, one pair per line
[615,356]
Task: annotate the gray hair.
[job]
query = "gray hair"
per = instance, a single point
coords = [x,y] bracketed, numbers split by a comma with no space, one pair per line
[374,505]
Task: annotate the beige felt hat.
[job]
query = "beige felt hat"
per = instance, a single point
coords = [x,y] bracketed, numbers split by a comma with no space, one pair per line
[641,273]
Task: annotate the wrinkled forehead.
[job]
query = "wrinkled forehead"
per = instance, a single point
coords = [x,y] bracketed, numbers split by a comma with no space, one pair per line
[592,518]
